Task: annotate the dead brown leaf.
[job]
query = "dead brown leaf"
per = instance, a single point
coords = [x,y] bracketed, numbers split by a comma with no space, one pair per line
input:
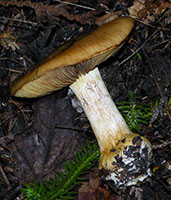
[93,190]
[147,10]
[53,12]
[41,150]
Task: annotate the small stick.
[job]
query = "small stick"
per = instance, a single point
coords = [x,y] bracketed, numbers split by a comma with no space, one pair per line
[72,129]
[12,60]
[129,57]
[155,80]
[19,20]
[12,70]
[149,25]
[21,110]
[4,176]
[77,5]
[158,44]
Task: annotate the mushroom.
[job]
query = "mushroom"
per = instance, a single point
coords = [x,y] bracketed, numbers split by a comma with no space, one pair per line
[125,156]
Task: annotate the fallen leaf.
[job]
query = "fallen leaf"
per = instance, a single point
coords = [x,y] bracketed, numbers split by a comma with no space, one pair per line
[41,150]
[93,190]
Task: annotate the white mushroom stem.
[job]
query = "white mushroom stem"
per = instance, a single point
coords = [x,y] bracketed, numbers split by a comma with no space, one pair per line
[125,156]
[106,121]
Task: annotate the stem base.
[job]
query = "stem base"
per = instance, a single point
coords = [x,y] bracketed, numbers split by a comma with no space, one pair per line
[129,163]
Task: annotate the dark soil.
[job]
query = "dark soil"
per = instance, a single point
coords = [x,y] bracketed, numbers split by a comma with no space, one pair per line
[31,145]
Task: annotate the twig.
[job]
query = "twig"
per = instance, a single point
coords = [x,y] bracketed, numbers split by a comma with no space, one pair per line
[12,60]
[129,57]
[21,110]
[4,176]
[163,144]
[12,70]
[19,20]
[158,44]
[149,25]
[77,5]
[151,36]
[155,80]
[72,129]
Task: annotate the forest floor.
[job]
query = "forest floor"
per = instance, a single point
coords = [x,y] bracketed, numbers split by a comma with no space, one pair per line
[32,143]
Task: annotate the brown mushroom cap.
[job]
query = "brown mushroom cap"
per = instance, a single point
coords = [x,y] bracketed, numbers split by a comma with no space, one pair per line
[84,55]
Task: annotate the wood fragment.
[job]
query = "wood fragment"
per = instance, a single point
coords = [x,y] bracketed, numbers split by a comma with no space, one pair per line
[4,176]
